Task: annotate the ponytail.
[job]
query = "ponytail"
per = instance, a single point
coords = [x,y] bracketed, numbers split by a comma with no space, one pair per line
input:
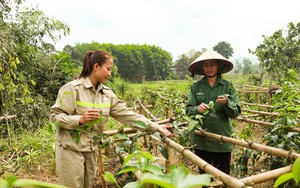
[90,58]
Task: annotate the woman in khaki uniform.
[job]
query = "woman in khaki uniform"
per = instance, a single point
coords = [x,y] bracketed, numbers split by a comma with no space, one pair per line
[80,102]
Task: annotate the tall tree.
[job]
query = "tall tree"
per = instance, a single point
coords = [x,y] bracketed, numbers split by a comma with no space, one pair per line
[24,58]
[182,63]
[238,67]
[224,48]
[280,52]
[247,66]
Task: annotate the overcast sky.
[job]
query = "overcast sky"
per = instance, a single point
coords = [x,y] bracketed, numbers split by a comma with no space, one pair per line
[176,26]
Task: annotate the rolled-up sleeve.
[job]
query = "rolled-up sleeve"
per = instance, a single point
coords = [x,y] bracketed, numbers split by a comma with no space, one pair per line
[62,112]
[192,107]
[125,115]
[233,107]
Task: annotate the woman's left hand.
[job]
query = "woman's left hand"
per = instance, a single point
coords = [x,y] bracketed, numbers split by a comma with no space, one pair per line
[164,130]
[222,99]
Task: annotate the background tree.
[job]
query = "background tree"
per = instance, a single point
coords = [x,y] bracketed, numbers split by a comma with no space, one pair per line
[247,66]
[24,63]
[238,67]
[134,63]
[280,52]
[184,60]
[224,48]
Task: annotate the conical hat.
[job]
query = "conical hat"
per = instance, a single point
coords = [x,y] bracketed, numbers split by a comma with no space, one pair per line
[196,68]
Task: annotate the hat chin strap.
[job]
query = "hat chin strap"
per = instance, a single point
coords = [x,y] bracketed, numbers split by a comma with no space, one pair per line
[215,75]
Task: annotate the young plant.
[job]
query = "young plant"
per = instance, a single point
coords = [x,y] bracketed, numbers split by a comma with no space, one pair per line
[294,175]
[12,181]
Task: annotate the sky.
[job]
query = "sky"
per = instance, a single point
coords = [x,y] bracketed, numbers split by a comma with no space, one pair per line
[176,26]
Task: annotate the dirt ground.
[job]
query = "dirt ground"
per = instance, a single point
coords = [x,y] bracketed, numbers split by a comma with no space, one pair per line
[112,164]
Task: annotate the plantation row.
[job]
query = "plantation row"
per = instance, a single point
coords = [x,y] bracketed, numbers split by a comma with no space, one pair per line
[274,114]
[230,181]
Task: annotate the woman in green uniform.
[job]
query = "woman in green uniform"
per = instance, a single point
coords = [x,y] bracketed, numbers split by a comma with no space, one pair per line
[212,88]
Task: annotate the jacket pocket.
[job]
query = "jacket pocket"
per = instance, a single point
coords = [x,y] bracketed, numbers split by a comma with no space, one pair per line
[200,97]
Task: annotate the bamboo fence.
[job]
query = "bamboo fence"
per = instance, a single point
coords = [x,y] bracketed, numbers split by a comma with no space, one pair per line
[259,147]
[292,129]
[219,175]
[258,105]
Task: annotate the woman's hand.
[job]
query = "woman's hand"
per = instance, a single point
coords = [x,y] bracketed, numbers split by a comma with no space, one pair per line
[164,130]
[222,99]
[89,115]
[202,107]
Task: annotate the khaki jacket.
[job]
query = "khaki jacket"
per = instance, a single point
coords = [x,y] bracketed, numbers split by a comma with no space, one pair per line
[74,99]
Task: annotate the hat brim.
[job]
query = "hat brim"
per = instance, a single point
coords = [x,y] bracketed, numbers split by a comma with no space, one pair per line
[224,64]
[224,67]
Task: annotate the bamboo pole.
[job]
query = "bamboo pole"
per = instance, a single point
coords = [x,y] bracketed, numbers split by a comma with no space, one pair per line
[251,91]
[101,168]
[240,118]
[6,117]
[169,114]
[125,130]
[147,111]
[131,130]
[266,176]
[292,129]
[259,105]
[267,149]
[261,112]
[228,180]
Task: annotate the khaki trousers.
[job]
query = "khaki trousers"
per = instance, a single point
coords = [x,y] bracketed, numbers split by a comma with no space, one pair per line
[76,169]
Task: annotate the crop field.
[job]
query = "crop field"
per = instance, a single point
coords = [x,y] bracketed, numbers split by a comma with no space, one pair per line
[266,139]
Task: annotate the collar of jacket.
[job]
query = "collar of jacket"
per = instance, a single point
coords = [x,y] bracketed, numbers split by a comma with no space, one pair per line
[88,84]
[219,80]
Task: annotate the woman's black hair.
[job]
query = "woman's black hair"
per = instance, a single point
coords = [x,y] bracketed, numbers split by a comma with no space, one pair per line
[89,60]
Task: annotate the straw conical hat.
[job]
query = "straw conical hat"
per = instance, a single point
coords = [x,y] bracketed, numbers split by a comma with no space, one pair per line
[196,68]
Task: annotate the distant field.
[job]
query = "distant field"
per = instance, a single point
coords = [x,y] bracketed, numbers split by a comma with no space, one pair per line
[137,88]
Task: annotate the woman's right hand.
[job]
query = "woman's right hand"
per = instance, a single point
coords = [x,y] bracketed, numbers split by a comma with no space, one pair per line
[89,115]
[202,107]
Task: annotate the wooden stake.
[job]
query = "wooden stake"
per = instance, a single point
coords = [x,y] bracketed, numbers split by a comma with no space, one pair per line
[100,167]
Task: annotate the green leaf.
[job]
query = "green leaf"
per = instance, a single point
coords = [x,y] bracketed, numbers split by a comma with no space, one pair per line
[195,180]
[163,150]
[130,156]
[178,175]
[156,136]
[126,169]
[33,82]
[1,86]
[109,177]
[181,177]
[283,178]
[121,136]
[132,185]
[296,170]
[34,183]
[154,169]
[205,112]
[140,124]
[147,155]
[156,180]
[53,127]
[211,104]
[76,136]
